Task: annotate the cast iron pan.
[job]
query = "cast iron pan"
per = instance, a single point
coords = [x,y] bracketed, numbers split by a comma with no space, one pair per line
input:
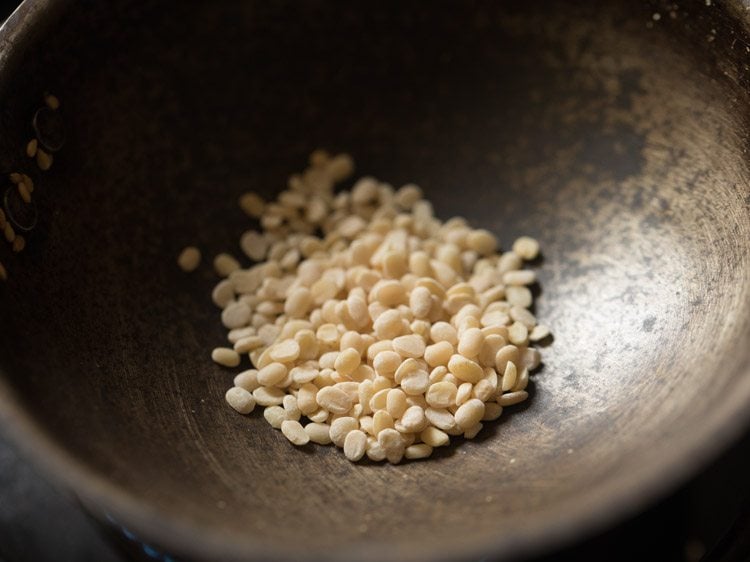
[614,132]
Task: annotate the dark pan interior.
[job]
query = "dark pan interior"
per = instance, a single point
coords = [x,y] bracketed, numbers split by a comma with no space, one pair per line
[617,139]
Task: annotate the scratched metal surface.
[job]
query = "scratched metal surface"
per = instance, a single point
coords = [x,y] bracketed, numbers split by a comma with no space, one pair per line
[609,135]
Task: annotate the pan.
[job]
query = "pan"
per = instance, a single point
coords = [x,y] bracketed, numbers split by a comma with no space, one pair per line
[616,133]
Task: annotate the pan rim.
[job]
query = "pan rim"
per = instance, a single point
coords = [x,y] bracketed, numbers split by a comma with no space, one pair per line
[625,493]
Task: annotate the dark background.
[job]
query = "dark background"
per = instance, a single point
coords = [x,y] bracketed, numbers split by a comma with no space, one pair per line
[708,519]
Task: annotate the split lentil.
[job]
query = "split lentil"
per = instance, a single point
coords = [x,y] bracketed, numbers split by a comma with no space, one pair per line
[189,259]
[371,324]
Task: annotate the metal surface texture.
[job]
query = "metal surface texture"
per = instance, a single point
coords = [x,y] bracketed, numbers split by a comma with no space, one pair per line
[616,133]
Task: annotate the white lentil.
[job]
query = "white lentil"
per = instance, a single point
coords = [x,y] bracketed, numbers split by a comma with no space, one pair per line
[240,399]
[224,264]
[375,348]
[386,362]
[509,261]
[501,331]
[275,415]
[420,451]
[512,398]
[470,413]
[366,423]
[225,357]
[334,400]
[521,277]
[223,293]
[363,373]
[350,388]
[347,361]
[352,340]
[464,368]
[440,418]
[409,439]
[268,396]
[396,402]
[434,437]
[409,346]
[415,382]
[494,318]
[414,419]
[519,296]
[189,258]
[438,374]
[449,377]
[268,333]
[518,333]
[485,389]
[408,195]
[490,346]
[526,247]
[375,451]
[308,345]
[505,354]
[470,342]
[340,428]
[294,431]
[463,393]
[509,376]
[365,392]
[381,420]
[492,411]
[472,432]
[379,399]
[438,353]
[247,344]
[520,314]
[531,358]
[355,445]
[285,351]
[304,374]
[442,331]
[340,167]
[236,315]
[252,204]
[247,380]
[441,394]
[481,241]
[356,307]
[390,324]
[272,374]
[254,245]
[420,302]
[393,444]
[319,416]
[319,433]
[522,381]
[538,333]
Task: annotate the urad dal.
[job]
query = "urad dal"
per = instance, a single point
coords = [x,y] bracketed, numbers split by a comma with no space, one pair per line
[370,323]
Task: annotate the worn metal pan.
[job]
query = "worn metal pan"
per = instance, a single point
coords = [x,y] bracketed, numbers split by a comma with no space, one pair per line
[615,132]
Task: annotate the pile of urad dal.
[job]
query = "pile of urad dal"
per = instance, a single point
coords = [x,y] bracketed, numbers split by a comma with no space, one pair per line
[371,324]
